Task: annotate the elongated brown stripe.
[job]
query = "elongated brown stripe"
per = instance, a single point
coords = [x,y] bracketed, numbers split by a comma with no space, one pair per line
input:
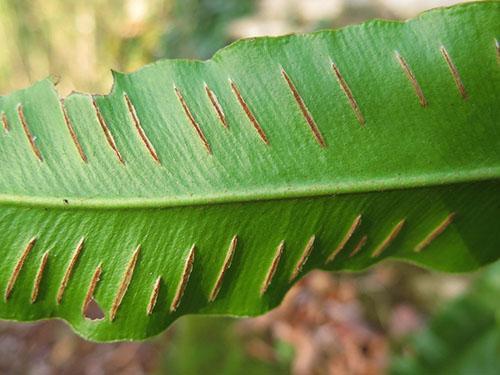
[273,268]
[5,123]
[69,270]
[18,267]
[454,72]
[248,112]
[38,278]
[181,287]
[154,296]
[72,133]
[347,91]
[413,80]
[27,131]
[388,240]
[225,267]
[305,112]
[90,291]
[107,132]
[122,289]
[355,224]
[303,259]
[497,47]
[218,108]
[192,120]
[435,232]
[142,134]
[359,246]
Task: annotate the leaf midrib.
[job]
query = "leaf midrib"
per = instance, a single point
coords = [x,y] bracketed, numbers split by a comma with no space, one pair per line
[289,192]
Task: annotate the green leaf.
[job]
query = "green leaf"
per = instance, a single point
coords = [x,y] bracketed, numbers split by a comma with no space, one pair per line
[211,187]
[464,338]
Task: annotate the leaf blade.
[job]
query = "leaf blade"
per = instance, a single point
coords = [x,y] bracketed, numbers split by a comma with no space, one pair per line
[409,163]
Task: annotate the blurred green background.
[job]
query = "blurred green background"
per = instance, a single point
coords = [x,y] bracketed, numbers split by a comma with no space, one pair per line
[393,318]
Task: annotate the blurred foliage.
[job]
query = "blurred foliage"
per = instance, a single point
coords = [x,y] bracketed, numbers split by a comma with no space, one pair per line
[199,27]
[464,338]
[211,345]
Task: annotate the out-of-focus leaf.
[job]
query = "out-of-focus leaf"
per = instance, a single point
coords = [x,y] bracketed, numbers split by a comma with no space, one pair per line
[464,338]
